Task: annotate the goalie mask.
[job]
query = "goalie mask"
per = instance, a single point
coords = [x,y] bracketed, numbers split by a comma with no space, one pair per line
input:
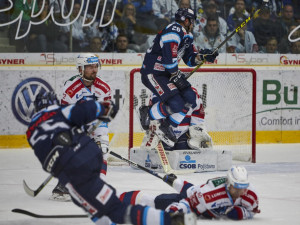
[86,59]
[237,176]
[45,99]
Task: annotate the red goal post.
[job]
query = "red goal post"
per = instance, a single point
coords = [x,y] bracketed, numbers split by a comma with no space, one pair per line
[230,112]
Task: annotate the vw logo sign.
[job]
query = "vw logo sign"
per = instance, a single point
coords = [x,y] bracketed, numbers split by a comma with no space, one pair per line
[24,96]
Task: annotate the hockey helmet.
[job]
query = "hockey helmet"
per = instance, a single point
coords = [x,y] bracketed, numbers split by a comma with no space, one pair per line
[45,99]
[185,13]
[237,176]
[86,59]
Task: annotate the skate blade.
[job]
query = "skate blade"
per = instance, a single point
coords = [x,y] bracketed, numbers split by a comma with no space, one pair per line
[163,138]
[60,198]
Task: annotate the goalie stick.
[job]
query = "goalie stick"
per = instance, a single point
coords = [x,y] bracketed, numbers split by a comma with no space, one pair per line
[34,193]
[28,213]
[165,162]
[264,5]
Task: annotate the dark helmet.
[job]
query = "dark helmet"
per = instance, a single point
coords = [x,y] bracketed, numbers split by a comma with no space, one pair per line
[45,99]
[185,13]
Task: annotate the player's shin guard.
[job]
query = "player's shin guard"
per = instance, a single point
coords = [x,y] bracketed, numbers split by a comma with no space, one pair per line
[137,197]
[104,167]
[147,215]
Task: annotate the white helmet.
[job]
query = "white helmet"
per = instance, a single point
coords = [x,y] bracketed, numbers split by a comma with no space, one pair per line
[86,59]
[237,176]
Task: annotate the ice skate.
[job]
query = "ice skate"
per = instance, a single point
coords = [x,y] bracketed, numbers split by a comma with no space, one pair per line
[183,219]
[144,117]
[60,193]
[165,133]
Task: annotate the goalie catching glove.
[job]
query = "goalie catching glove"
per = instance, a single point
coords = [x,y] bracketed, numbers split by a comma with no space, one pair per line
[199,138]
[110,111]
[178,78]
[208,55]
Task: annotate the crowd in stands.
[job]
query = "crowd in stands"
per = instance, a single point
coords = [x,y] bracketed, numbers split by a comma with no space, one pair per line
[131,25]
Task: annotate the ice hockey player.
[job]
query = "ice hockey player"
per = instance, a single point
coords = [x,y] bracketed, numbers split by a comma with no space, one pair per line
[161,75]
[85,86]
[65,150]
[230,196]
[191,133]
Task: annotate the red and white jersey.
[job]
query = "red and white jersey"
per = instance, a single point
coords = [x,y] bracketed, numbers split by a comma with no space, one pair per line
[74,90]
[213,199]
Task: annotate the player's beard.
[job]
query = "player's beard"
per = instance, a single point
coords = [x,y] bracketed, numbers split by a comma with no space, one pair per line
[91,79]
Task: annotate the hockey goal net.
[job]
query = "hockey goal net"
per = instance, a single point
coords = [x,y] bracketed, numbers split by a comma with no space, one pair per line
[230,108]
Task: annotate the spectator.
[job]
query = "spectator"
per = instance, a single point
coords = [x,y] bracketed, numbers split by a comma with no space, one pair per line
[265,28]
[210,37]
[164,10]
[26,8]
[210,10]
[145,19]
[242,42]
[285,45]
[271,46]
[239,16]
[95,45]
[287,18]
[149,41]
[44,37]
[122,44]
[78,33]
[295,47]
[127,23]
[108,34]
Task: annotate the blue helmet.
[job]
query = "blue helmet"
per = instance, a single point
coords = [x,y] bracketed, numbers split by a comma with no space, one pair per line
[45,99]
[185,13]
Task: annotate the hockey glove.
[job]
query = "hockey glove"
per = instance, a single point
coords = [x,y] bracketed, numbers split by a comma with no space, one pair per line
[208,55]
[169,179]
[178,78]
[103,142]
[110,111]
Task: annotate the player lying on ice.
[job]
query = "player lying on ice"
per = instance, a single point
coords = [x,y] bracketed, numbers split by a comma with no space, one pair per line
[66,151]
[160,74]
[191,133]
[230,196]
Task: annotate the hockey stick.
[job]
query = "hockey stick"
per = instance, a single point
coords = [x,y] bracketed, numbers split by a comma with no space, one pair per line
[264,5]
[165,162]
[135,164]
[25,212]
[204,95]
[34,193]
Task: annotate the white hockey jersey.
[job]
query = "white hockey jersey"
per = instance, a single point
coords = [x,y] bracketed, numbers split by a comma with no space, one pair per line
[75,91]
[213,200]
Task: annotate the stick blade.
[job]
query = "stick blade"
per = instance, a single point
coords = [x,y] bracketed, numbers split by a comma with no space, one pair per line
[28,190]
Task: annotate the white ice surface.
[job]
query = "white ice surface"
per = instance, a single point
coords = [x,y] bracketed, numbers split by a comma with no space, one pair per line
[276,176]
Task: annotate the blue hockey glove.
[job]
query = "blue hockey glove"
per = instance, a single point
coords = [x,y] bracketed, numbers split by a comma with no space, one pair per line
[169,179]
[206,54]
[178,78]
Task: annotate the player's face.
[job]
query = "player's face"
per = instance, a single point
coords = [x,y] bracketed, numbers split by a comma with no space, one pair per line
[189,24]
[90,71]
[236,192]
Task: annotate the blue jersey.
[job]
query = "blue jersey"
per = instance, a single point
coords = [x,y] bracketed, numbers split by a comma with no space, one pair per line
[169,46]
[53,120]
